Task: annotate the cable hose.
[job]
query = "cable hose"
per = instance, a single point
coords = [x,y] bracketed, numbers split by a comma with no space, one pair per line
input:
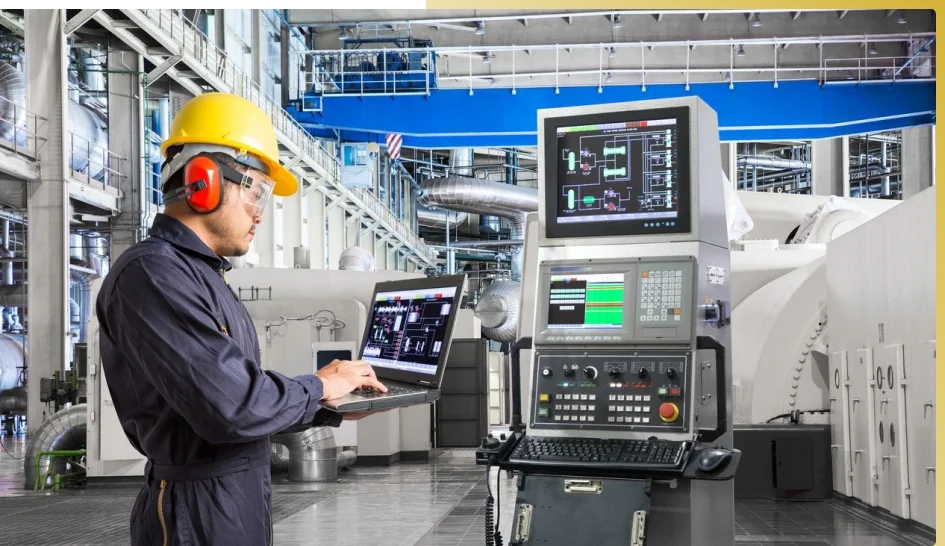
[493,537]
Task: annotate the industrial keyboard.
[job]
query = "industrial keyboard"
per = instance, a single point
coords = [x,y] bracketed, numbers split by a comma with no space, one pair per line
[392,390]
[584,452]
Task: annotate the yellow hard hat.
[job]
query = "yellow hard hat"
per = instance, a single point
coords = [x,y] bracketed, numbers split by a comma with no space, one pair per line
[228,120]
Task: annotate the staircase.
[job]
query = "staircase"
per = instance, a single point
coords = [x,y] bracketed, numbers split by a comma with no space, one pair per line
[187,55]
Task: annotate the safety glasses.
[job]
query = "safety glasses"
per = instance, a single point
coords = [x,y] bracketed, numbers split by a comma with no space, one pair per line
[255,188]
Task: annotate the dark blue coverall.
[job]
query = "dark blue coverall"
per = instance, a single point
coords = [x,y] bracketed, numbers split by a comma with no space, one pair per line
[180,354]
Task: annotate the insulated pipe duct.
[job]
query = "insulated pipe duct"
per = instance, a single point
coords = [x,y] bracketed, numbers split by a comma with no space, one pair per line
[313,455]
[774,163]
[65,430]
[12,110]
[436,218]
[13,295]
[478,196]
[89,150]
[498,309]
[356,259]
[13,401]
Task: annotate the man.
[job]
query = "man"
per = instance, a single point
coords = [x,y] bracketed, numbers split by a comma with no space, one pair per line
[180,350]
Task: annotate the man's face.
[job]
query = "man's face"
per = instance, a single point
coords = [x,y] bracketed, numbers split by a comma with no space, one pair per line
[234,224]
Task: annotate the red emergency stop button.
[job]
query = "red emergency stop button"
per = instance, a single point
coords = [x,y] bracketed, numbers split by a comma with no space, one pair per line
[669,412]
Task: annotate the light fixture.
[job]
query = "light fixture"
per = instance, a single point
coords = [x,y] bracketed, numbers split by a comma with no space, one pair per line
[609,78]
[487,58]
[613,53]
[756,22]
[741,51]
[617,22]
[902,18]
[344,34]
[480,28]
[873,50]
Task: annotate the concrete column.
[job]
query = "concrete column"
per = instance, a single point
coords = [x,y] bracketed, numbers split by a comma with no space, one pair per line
[257,45]
[264,242]
[336,236]
[827,166]
[292,225]
[126,138]
[917,160]
[380,253]
[285,64]
[219,24]
[845,165]
[316,229]
[48,206]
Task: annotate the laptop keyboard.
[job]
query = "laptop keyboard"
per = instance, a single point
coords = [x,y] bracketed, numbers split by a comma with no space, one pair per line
[391,390]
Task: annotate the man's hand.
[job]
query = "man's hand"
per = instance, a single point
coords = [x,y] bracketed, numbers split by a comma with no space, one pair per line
[342,376]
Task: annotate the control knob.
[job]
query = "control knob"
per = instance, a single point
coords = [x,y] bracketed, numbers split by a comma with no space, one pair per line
[590,372]
[614,372]
[642,373]
[568,371]
[546,372]
[671,373]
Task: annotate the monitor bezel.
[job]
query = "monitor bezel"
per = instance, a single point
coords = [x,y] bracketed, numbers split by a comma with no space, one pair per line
[618,228]
[447,281]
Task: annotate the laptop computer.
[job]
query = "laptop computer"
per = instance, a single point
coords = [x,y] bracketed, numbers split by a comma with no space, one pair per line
[407,342]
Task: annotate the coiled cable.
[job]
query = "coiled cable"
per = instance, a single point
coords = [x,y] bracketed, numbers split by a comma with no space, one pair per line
[493,537]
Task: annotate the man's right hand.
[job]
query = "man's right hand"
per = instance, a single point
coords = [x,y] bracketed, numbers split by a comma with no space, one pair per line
[343,376]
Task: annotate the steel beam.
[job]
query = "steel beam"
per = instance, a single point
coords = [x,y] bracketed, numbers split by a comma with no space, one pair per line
[162,68]
[80,19]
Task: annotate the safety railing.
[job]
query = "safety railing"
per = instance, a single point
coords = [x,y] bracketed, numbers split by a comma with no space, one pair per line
[871,68]
[379,211]
[617,63]
[94,163]
[19,129]
[374,71]
[195,43]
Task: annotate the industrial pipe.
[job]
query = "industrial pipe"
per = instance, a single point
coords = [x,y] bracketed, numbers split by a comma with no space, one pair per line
[13,401]
[498,310]
[773,163]
[65,430]
[12,110]
[313,455]
[11,361]
[436,219]
[478,196]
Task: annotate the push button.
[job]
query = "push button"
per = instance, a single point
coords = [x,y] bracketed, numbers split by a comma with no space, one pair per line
[669,412]
[675,391]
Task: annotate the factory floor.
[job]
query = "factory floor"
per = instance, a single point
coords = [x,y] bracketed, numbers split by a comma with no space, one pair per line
[438,503]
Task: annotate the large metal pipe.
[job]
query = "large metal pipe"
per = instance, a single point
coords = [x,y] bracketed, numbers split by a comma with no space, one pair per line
[12,110]
[89,148]
[65,430]
[313,455]
[13,401]
[498,310]
[773,163]
[13,295]
[436,219]
[477,196]
[12,361]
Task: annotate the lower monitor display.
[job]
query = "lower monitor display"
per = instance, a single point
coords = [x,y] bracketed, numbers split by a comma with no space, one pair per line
[590,301]
[408,329]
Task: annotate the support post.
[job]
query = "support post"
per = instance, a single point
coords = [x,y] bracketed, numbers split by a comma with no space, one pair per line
[126,138]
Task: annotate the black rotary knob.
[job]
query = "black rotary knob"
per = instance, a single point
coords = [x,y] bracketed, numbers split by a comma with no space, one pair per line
[590,372]
[643,373]
[569,372]
[614,372]
[671,373]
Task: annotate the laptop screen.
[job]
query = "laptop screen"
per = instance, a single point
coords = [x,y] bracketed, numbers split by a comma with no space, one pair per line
[407,329]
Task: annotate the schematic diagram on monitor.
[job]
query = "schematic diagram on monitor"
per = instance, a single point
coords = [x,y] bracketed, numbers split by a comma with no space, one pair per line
[618,171]
[408,330]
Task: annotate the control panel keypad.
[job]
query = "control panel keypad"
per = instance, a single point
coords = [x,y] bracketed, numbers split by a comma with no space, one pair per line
[661,296]
[603,392]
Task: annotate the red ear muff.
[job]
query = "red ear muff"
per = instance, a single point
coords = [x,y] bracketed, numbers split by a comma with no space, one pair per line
[204,184]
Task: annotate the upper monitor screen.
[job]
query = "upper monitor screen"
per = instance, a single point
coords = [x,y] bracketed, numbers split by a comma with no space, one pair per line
[590,301]
[613,175]
[407,329]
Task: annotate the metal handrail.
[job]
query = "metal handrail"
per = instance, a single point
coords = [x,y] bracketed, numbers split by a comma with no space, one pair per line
[82,149]
[196,43]
[24,124]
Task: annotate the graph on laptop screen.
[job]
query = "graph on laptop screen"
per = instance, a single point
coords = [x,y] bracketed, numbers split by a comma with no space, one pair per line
[408,329]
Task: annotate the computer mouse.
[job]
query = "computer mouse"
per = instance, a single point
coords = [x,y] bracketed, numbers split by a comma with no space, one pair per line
[711,460]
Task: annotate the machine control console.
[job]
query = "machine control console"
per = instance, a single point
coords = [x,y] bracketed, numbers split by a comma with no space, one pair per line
[620,454]
[612,391]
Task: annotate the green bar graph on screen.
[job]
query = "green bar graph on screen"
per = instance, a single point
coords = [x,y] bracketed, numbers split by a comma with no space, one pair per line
[604,305]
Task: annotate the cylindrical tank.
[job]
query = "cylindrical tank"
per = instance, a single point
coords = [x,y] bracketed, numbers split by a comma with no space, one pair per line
[356,259]
[11,360]
[301,257]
